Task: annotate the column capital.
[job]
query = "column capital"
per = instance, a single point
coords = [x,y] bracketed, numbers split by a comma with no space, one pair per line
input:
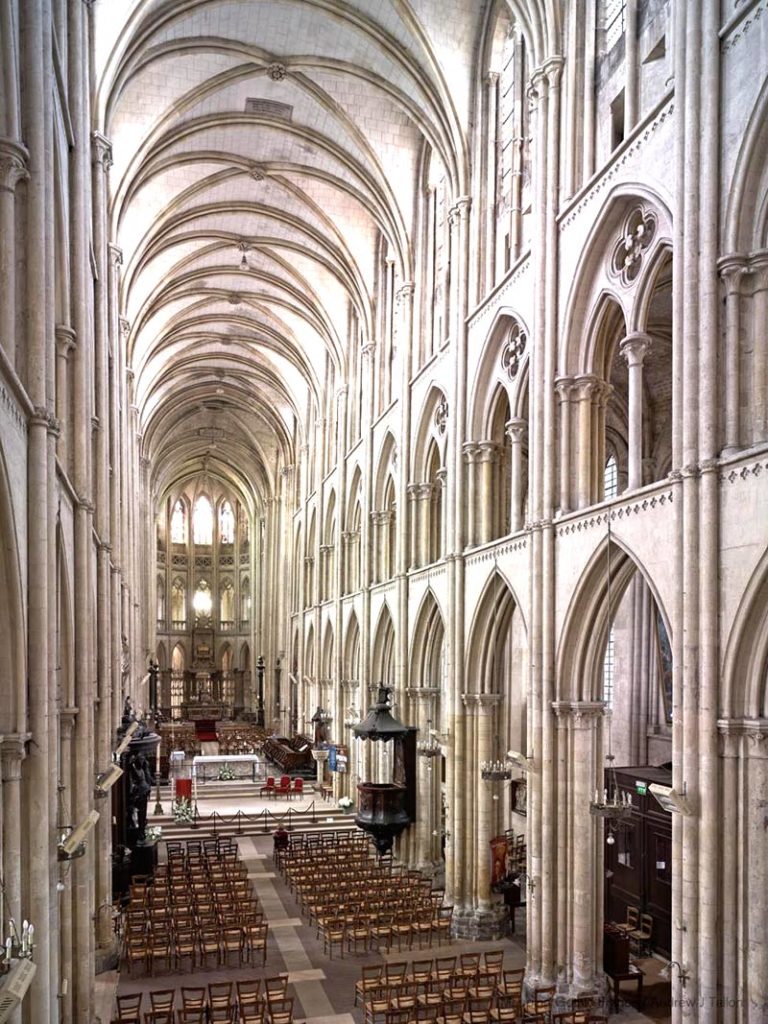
[482,703]
[66,339]
[101,150]
[635,347]
[43,417]
[460,210]
[488,451]
[441,476]
[350,535]
[125,330]
[13,164]
[115,254]
[405,291]
[422,695]
[586,386]
[491,78]
[67,718]
[420,491]
[515,429]
[565,386]
[582,712]
[754,730]
[470,450]
[368,350]
[12,753]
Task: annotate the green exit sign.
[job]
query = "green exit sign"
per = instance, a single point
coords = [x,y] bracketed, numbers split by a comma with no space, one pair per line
[641,787]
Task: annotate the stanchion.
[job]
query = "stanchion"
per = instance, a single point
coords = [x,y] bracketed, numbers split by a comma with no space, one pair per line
[239,823]
[213,827]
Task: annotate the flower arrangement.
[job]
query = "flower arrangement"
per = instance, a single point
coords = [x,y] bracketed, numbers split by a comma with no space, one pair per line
[182,811]
[226,773]
[345,803]
[152,833]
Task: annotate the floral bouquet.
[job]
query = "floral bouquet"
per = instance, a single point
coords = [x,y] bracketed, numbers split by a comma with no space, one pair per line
[345,803]
[152,833]
[182,811]
[226,774]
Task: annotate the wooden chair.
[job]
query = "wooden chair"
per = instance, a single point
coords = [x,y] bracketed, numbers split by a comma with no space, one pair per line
[135,951]
[542,1002]
[191,1016]
[193,998]
[232,942]
[129,1007]
[252,1015]
[255,940]
[160,947]
[161,1000]
[357,932]
[640,938]
[632,920]
[493,961]
[275,987]
[209,943]
[371,977]
[248,993]
[220,994]
[334,933]
[452,1011]
[185,945]
[469,965]
[159,1017]
[280,1011]
[478,1010]
[441,924]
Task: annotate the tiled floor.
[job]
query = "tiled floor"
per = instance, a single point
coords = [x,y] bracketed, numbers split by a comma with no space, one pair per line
[323,988]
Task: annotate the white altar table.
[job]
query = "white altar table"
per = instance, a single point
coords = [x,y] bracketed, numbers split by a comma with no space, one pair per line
[200,761]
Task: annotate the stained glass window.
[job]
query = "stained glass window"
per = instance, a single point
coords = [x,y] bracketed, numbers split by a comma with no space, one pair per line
[202,521]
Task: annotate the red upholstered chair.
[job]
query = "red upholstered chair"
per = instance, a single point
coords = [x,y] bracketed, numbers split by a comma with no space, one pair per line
[298,787]
[269,787]
[284,789]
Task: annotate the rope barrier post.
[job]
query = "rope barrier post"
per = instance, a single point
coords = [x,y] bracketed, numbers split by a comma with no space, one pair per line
[213,827]
[266,826]
[239,823]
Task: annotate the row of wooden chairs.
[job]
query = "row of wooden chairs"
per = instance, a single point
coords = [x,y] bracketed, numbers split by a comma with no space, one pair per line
[241,1001]
[441,972]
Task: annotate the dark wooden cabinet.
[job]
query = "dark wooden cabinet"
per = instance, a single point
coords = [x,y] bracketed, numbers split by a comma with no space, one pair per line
[638,866]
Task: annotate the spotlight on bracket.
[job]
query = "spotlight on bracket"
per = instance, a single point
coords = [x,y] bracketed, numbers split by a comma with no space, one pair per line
[72,846]
[106,781]
[520,760]
[670,799]
[127,738]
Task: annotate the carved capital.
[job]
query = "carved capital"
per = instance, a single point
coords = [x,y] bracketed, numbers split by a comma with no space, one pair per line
[67,718]
[101,151]
[368,350]
[115,255]
[732,268]
[459,211]
[515,429]
[488,451]
[41,417]
[277,72]
[66,339]
[471,451]
[635,347]
[586,387]
[583,713]
[13,164]
[125,330]
[12,753]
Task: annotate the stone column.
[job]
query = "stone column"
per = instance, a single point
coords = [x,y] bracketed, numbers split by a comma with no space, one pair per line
[471,450]
[586,878]
[760,351]
[423,698]
[631,80]
[491,84]
[488,458]
[386,519]
[516,429]
[585,387]
[67,718]
[634,349]
[602,394]
[732,270]
[65,342]
[412,492]
[756,873]
[564,387]
[440,492]
[12,753]
[422,523]
[13,168]
[732,851]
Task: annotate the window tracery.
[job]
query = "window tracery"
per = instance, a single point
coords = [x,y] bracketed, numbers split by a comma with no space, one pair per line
[202,521]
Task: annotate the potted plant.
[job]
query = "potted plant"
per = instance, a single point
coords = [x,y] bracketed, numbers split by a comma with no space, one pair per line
[345,803]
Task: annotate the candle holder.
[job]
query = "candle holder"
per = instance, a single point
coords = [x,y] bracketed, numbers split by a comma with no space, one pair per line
[17,946]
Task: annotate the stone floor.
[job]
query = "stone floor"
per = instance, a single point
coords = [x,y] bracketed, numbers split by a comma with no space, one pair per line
[323,988]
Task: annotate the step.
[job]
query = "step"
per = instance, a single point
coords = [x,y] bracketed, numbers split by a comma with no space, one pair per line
[321,819]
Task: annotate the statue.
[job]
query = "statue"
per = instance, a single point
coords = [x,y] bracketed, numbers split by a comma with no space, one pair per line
[321,731]
[140,783]
[125,662]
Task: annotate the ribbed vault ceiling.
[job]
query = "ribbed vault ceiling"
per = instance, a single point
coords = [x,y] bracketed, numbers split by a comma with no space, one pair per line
[261,149]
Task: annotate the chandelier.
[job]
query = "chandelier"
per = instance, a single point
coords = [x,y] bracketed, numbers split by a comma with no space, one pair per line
[429,746]
[18,947]
[496,771]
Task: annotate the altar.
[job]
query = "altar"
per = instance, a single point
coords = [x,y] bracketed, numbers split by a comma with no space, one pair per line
[254,763]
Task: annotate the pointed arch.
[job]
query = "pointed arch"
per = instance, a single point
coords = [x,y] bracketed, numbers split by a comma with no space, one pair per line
[488,635]
[431,432]
[383,652]
[592,609]
[745,664]
[504,363]
[427,649]
[12,625]
[352,650]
